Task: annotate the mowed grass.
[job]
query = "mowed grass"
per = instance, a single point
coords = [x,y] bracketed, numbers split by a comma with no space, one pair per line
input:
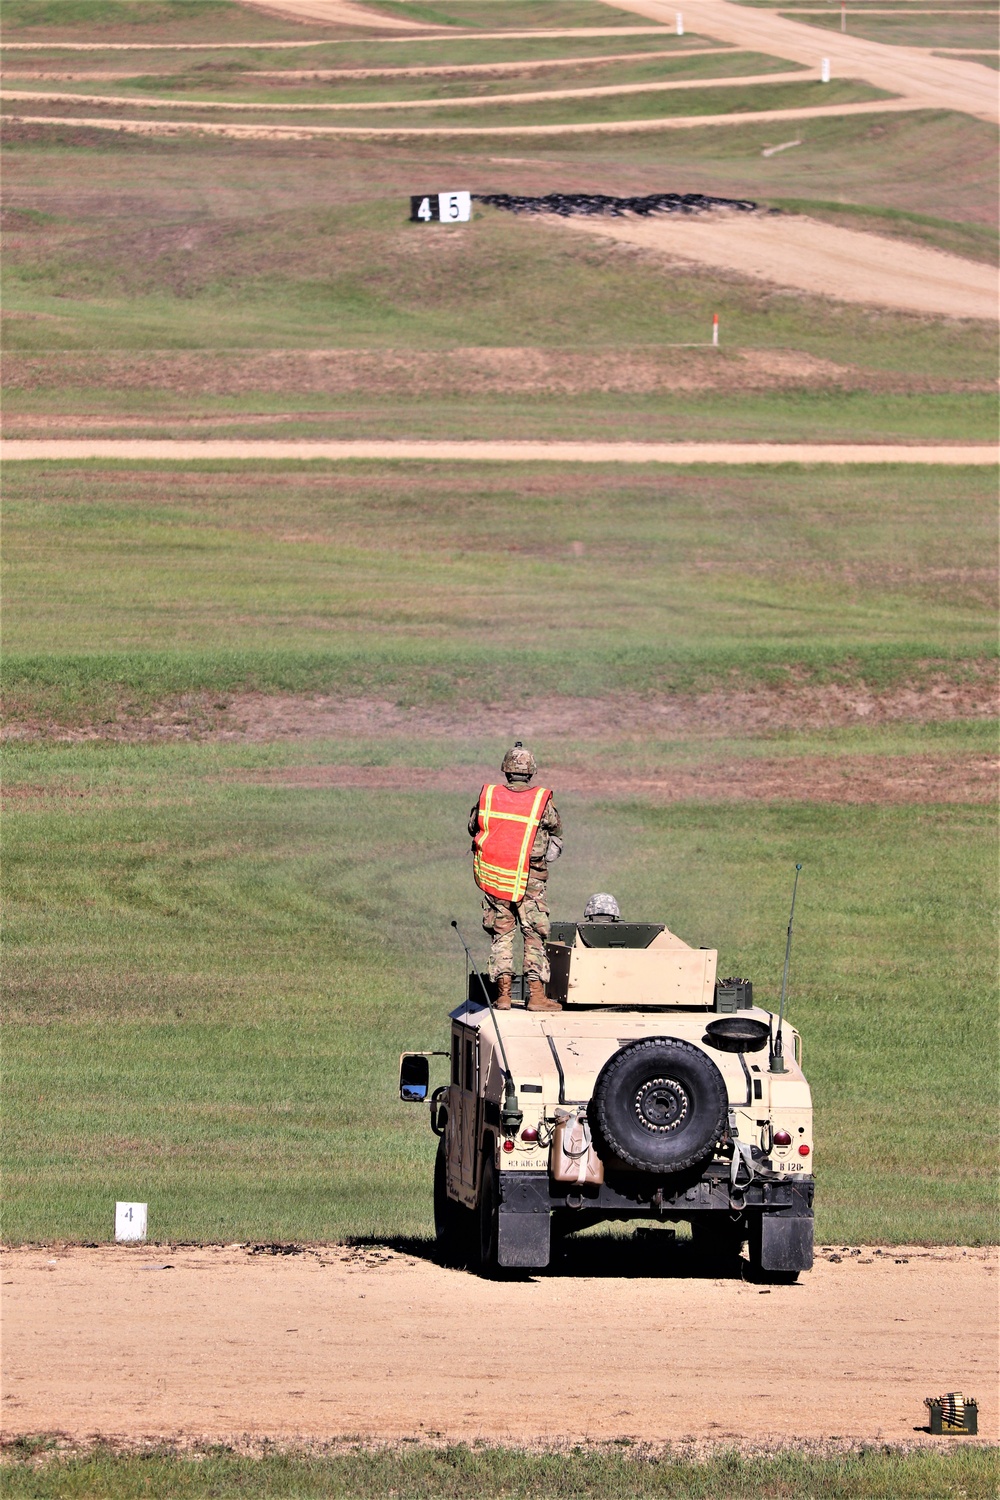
[199,84]
[209,978]
[136,21]
[420,578]
[914,30]
[601,109]
[384,51]
[453,1473]
[282,272]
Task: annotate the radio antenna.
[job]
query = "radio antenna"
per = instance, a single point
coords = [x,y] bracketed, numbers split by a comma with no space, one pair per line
[777,1061]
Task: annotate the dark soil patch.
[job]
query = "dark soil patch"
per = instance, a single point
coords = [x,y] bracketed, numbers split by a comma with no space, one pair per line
[262,718]
[808,778]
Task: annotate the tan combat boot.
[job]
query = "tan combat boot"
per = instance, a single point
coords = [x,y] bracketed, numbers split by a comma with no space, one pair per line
[537,998]
[502,1001]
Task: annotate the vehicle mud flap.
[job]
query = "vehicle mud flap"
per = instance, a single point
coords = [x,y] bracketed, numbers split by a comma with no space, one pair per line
[786,1243]
[523,1240]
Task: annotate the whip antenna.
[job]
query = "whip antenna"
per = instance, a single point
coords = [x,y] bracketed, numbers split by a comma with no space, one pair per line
[777,1062]
[510,1115]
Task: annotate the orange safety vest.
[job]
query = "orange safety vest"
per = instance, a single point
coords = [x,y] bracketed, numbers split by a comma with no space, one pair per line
[508,822]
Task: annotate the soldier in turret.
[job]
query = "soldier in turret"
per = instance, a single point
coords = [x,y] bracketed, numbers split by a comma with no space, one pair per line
[516,834]
[602,907]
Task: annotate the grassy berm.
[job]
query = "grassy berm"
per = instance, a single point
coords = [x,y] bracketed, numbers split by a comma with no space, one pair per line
[452,1473]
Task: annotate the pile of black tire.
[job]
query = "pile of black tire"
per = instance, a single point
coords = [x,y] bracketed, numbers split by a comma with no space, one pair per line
[592,205]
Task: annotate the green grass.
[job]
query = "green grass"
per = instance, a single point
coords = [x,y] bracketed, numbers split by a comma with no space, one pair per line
[973,241]
[913,30]
[360,275]
[453,1473]
[395,50]
[233,86]
[373,573]
[137,21]
[569,111]
[514,15]
[208,981]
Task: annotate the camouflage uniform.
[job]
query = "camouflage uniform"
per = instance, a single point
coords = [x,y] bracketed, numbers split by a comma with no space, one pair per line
[502,918]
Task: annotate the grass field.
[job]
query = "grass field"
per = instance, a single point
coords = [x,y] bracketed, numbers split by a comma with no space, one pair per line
[261,954]
[506,1474]
[349,577]
[209,979]
[214,955]
[236,86]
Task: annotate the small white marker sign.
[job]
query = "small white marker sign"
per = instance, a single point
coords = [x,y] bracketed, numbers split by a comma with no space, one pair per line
[130,1221]
[441,208]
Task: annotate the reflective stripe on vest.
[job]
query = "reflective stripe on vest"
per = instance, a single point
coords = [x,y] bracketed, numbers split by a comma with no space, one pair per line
[504,838]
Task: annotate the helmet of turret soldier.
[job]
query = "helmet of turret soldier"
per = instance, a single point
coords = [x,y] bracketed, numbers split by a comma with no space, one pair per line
[601,905]
[518,764]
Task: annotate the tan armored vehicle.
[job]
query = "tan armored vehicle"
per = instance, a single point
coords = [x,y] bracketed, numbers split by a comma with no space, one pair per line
[657,1092]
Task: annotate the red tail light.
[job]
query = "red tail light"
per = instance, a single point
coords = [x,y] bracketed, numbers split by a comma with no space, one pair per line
[529,1135]
[782,1138]
[803,1150]
[508,1145]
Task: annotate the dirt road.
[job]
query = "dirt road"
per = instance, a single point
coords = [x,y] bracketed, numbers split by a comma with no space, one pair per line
[218,1343]
[603,127]
[927,82]
[880,780]
[335,13]
[533,96]
[826,259]
[30,449]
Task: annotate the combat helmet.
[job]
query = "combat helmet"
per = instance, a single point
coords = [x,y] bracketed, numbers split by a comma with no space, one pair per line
[602,906]
[518,764]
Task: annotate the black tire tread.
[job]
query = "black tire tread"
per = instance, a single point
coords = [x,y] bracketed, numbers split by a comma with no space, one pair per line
[602,1090]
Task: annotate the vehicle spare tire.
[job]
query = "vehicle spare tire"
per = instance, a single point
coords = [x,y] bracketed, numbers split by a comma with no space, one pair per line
[659,1105]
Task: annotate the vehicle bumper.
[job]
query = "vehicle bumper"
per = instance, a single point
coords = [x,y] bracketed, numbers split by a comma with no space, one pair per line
[781,1207]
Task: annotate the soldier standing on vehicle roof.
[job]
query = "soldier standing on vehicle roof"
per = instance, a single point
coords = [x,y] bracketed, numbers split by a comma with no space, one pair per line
[516,834]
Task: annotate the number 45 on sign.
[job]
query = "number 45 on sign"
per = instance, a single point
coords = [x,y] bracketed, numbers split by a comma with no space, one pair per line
[441,208]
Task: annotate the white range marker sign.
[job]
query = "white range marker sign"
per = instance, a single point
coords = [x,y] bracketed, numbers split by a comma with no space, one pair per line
[441,208]
[130,1221]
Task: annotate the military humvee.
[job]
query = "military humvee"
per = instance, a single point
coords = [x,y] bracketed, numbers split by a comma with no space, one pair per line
[658,1092]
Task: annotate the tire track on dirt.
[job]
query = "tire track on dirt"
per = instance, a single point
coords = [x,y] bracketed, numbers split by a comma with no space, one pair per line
[236,1344]
[927,82]
[604,127]
[848,265]
[535,96]
[17,450]
[879,780]
[333,75]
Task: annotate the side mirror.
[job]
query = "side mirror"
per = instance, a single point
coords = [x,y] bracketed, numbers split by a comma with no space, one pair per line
[414,1077]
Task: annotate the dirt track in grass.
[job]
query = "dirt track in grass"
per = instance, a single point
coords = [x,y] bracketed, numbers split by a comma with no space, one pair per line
[808,778]
[160,1342]
[825,259]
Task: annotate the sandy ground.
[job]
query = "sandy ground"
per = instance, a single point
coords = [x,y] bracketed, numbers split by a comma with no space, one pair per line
[262,718]
[335,13]
[216,1343]
[456,372]
[533,96]
[186,449]
[927,82]
[435,37]
[827,259]
[328,75]
[604,127]
[849,779]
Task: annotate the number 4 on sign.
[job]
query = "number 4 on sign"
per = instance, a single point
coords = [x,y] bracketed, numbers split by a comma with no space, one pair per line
[130,1221]
[424,211]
